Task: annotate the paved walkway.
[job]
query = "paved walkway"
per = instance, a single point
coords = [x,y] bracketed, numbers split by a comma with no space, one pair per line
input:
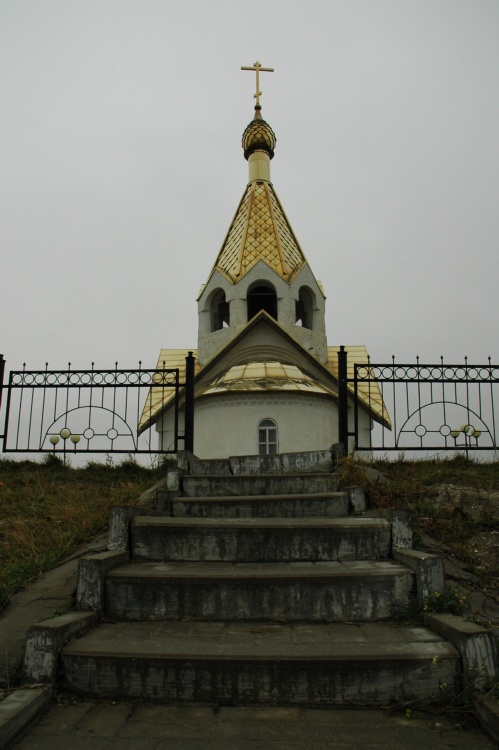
[50,595]
[86,725]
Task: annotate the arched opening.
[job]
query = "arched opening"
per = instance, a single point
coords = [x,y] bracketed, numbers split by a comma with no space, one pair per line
[219,311]
[267,437]
[262,297]
[305,308]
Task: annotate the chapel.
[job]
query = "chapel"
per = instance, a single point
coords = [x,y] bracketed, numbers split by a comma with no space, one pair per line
[266,380]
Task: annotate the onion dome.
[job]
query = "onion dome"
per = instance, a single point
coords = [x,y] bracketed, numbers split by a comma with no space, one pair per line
[258,136]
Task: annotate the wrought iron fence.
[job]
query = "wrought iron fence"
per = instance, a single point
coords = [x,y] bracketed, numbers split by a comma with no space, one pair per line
[431,407]
[420,407]
[93,411]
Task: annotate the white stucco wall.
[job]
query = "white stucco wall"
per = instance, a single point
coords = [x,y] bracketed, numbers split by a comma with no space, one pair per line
[227,424]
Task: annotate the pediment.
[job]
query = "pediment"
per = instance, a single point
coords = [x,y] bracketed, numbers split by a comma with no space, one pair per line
[264,340]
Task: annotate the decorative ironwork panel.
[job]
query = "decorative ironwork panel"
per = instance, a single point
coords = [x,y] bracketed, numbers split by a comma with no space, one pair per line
[94,411]
[431,407]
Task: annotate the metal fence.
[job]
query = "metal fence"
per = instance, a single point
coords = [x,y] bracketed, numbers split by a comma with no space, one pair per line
[93,411]
[411,407]
[431,407]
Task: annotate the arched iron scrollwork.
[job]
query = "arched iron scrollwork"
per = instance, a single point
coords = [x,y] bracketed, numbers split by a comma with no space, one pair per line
[105,427]
[87,410]
[436,406]
[422,428]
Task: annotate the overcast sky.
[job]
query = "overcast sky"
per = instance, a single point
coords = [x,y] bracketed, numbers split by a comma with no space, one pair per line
[122,167]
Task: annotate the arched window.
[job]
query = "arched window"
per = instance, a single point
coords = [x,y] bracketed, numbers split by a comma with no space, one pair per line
[262,297]
[305,308]
[219,311]
[267,437]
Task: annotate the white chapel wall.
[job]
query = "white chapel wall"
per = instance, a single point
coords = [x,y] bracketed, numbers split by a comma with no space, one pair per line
[227,425]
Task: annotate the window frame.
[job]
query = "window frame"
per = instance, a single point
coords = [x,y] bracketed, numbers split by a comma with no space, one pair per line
[269,441]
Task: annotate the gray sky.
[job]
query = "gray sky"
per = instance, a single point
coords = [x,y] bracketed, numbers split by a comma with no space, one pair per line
[121,123]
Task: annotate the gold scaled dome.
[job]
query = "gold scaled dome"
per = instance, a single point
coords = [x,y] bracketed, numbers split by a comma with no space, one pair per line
[258,136]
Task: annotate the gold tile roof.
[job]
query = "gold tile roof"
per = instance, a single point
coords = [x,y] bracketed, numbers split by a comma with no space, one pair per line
[260,231]
[264,376]
[369,393]
[251,376]
[159,398]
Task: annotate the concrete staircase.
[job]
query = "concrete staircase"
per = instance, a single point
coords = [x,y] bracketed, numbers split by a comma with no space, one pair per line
[250,588]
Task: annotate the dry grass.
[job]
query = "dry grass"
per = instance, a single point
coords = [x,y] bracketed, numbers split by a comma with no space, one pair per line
[454,501]
[48,510]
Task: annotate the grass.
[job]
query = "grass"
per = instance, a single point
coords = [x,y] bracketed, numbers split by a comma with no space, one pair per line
[454,501]
[48,510]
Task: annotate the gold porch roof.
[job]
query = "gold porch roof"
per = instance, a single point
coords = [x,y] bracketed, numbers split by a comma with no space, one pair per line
[260,230]
[159,399]
[369,393]
[264,376]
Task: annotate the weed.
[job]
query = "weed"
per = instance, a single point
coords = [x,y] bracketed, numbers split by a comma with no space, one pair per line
[450,501]
[47,510]
[450,600]
[52,461]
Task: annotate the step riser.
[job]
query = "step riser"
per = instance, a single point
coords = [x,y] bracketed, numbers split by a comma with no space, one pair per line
[346,599]
[239,682]
[278,484]
[284,463]
[256,545]
[268,507]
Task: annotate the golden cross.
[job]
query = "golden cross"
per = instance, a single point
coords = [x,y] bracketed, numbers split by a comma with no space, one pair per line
[257,68]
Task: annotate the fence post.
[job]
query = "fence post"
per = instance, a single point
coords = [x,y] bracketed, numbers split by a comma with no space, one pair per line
[2,371]
[342,400]
[189,404]
[3,435]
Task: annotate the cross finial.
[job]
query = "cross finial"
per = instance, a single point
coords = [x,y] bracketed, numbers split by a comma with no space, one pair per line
[257,68]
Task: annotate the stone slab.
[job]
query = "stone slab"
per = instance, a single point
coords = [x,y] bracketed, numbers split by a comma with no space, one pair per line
[357,499]
[92,571]
[313,505]
[260,539]
[19,709]
[258,663]
[121,517]
[159,727]
[258,484]
[203,467]
[487,709]
[324,591]
[478,646]
[428,569]
[255,465]
[307,462]
[44,641]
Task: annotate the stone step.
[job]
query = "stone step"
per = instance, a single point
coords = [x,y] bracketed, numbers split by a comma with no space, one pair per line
[260,539]
[316,592]
[257,484]
[313,505]
[261,664]
[278,463]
